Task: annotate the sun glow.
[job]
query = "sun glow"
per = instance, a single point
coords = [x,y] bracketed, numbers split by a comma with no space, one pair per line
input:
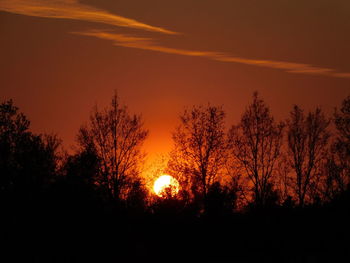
[165,182]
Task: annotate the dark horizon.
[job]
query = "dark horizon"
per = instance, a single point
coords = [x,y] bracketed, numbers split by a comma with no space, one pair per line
[287,203]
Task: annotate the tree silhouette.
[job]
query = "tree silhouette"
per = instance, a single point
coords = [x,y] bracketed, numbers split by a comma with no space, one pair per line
[307,139]
[337,168]
[255,143]
[63,205]
[83,164]
[168,204]
[200,149]
[221,200]
[342,145]
[28,162]
[116,136]
[137,196]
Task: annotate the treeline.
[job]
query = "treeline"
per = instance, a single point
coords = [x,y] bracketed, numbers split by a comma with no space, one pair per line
[260,162]
[259,191]
[255,164]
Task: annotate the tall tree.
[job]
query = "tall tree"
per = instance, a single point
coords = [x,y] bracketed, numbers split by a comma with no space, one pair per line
[255,144]
[342,145]
[117,137]
[28,162]
[199,151]
[307,139]
[338,163]
[13,129]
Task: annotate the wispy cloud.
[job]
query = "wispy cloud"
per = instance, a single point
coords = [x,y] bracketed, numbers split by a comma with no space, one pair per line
[72,9]
[290,67]
[143,43]
[149,44]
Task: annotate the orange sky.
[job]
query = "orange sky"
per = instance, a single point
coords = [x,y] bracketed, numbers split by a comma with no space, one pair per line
[59,58]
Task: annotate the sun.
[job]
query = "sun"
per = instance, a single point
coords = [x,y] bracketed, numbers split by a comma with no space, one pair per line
[163,182]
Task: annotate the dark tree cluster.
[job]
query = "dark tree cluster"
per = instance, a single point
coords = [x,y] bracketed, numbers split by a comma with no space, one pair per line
[302,161]
[259,190]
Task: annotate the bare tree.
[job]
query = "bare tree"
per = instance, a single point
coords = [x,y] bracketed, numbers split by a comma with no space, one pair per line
[342,121]
[199,152]
[117,137]
[338,164]
[236,181]
[307,139]
[255,145]
[283,179]
[342,145]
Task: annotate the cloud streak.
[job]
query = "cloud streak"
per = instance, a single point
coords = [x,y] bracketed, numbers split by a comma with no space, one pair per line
[149,44]
[72,9]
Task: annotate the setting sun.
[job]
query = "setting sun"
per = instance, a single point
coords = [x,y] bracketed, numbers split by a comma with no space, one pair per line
[164,182]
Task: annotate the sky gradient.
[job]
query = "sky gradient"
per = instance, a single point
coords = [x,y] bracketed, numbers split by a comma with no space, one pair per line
[59,58]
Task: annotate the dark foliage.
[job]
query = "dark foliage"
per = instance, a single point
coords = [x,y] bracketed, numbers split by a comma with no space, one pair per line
[53,209]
